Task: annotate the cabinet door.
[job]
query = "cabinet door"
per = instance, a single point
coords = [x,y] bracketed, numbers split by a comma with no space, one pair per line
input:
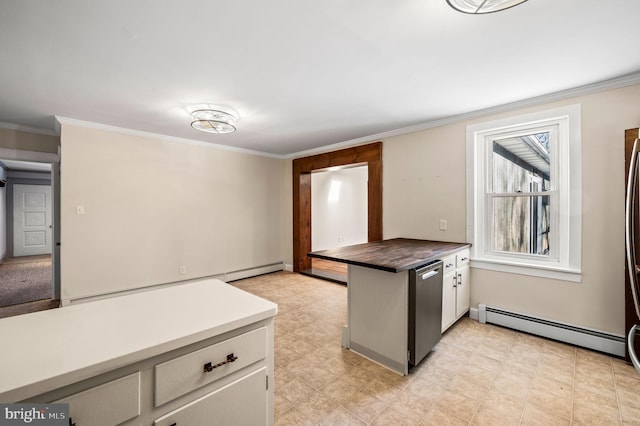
[463,295]
[105,405]
[448,300]
[243,402]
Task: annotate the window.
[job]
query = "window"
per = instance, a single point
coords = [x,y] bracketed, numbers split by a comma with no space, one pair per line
[523,194]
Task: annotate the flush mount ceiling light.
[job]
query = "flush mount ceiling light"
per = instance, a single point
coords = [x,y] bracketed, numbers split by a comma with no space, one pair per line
[213,121]
[482,6]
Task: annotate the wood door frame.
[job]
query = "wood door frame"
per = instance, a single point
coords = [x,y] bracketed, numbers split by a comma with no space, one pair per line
[370,154]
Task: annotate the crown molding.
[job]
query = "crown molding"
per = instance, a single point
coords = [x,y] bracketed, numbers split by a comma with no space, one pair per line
[150,135]
[28,129]
[615,83]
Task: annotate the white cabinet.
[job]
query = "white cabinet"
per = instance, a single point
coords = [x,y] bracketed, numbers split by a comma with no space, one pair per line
[242,402]
[187,386]
[463,291]
[455,287]
[449,290]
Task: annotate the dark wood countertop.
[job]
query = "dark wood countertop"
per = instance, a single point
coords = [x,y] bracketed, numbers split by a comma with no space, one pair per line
[395,255]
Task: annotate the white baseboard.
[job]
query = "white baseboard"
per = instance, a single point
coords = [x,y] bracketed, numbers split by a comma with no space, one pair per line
[288,267]
[226,277]
[252,272]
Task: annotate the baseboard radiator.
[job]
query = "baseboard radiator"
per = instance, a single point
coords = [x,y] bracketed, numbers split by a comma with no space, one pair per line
[597,340]
[251,272]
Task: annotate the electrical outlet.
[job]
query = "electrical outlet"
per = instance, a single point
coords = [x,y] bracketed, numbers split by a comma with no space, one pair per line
[443,225]
[182,270]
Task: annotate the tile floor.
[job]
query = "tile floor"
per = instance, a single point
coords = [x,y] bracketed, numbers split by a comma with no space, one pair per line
[477,375]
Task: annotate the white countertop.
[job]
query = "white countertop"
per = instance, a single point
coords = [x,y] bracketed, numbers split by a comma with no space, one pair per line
[46,350]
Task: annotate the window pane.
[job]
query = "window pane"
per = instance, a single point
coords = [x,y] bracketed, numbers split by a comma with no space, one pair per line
[521,164]
[521,224]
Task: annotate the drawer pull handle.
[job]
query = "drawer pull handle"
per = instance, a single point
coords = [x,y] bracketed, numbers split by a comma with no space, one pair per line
[230,358]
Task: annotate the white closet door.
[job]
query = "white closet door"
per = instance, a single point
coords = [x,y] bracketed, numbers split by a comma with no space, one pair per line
[31,220]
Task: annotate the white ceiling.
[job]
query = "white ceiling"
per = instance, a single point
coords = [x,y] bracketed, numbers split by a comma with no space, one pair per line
[300,73]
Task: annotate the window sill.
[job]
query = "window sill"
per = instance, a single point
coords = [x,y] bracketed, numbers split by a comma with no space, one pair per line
[573,275]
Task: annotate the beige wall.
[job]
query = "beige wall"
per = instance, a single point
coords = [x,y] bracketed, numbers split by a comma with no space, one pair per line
[423,177]
[27,141]
[153,205]
[424,181]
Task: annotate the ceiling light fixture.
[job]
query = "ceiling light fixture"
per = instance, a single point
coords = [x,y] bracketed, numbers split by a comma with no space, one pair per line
[213,121]
[477,7]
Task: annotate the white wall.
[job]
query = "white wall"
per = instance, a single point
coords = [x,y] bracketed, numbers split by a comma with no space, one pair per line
[3,215]
[153,205]
[340,221]
[424,181]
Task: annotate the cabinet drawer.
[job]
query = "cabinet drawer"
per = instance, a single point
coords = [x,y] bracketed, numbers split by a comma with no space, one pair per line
[186,373]
[449,264]
[108,404]
[243,402]
[462,258]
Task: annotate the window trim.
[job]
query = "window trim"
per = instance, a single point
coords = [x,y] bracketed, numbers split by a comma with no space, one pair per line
[567,190]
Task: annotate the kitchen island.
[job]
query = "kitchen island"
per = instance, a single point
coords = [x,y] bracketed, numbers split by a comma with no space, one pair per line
[378,320]
[181,354]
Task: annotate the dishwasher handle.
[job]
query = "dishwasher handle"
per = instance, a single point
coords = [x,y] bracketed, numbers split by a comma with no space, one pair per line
[431,273]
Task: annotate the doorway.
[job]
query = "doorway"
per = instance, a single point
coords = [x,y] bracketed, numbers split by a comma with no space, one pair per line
[29,272]
[371,155]
[338,215]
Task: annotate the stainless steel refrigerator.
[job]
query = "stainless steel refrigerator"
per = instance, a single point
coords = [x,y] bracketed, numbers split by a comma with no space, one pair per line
[632,244]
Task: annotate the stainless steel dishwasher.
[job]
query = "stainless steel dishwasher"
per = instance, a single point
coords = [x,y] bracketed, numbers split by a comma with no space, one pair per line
[425,310]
